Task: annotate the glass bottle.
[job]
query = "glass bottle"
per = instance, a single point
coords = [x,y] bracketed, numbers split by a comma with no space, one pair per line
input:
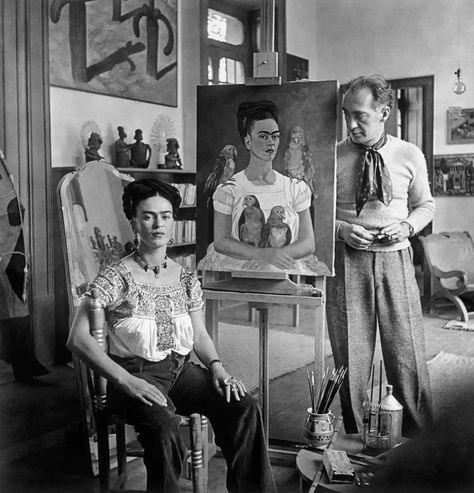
[393,411]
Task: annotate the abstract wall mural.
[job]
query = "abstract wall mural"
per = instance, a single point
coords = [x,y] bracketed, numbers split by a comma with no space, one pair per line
[124,48]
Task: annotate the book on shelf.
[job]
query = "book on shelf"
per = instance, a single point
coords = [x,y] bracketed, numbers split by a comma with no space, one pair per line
[187,192]
[185,231]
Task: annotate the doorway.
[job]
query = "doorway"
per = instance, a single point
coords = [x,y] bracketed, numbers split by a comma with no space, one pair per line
[411,119]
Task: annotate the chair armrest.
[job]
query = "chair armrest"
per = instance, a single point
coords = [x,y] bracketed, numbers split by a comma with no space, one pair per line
[97,320]
[441,274]
[97,329]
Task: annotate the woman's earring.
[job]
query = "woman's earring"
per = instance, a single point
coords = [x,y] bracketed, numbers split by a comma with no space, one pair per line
[171,241]
[135,240]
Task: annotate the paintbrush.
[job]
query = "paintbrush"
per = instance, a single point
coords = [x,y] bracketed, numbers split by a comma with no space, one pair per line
[371,396]
[311,390]
[325,397]
[321,388]
[380,396]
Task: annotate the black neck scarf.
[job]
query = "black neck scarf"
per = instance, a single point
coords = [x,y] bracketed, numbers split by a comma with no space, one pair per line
[374,178]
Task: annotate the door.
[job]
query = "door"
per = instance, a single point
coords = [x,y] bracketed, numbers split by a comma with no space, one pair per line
[411,119]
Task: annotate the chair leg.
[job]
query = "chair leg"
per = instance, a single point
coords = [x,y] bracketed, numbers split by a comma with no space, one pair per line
[121,454]
[461,307]
[458,302]
[103,452]
[205,449]
[197,454]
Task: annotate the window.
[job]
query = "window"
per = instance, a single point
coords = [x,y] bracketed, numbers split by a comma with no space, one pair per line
[227,34]
[224,28]
[231,36]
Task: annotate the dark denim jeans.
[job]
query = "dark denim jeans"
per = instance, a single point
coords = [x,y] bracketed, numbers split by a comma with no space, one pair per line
[237,425]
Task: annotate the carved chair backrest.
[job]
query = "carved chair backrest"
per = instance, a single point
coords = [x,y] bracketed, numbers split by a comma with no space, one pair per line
[95,233]
[95,230]
[448,251]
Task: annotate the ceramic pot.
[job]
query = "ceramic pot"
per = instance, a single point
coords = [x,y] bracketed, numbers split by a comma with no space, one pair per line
[318,428]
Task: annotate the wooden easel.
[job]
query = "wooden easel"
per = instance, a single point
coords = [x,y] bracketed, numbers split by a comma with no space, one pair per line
[265,62]
[264,291]
[268,292]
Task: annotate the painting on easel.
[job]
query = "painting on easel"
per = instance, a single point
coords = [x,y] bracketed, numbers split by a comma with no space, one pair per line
[266,178]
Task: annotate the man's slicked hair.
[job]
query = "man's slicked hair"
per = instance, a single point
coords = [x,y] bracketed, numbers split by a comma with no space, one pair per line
[381,89]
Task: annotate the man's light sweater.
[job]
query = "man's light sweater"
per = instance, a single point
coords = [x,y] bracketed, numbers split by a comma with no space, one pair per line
[412,201]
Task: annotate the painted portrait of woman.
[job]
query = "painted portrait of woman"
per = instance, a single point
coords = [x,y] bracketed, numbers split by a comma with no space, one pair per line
[262,218]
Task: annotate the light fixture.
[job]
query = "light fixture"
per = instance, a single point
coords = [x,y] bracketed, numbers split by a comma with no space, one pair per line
[459,86]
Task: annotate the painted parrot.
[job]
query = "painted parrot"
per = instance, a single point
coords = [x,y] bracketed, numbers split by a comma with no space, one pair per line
[223,169]
[297,158]
[276,233]
[251,221]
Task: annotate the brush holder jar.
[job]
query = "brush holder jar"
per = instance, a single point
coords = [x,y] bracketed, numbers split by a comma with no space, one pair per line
[377,429]
[318,428]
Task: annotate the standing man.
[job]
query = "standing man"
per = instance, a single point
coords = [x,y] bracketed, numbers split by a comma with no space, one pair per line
[383,198]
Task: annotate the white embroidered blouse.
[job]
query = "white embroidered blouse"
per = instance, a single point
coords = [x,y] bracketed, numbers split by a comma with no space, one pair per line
[144,319]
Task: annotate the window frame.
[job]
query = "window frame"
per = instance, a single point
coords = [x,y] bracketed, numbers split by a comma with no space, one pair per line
[248,13]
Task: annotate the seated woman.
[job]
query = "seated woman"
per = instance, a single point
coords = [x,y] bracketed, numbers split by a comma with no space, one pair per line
[262,219]
[155,320]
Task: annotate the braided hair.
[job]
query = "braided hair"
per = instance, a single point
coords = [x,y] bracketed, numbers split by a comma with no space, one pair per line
[251,111]
[139,190]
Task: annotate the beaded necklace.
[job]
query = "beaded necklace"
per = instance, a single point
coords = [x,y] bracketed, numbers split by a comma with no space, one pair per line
[155,268]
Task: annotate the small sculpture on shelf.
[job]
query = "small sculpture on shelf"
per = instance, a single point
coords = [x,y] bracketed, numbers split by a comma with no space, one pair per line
[172,158]
[122,150]
[140,152]
[93,146]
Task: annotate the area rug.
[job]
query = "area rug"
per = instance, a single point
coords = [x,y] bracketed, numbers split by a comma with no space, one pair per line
[452,382]
[238,348]
[459,325]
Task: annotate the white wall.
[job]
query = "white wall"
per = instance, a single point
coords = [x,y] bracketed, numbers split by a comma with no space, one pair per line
[301,28]
[71,109]
[397,38]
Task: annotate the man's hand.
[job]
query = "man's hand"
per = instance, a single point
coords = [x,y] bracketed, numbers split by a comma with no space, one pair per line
[396,232]
[356,236]
[142,390]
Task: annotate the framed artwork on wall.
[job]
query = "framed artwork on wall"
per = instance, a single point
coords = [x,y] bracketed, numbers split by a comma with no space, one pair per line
[122,48]
[460,125]
[453,175]
[297,68]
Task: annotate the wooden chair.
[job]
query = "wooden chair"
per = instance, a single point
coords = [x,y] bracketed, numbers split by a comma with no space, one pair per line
[95,233]
[450,258]
[197,424]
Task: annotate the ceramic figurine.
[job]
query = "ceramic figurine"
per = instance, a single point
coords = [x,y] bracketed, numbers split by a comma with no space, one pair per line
[140,152]
[172,158]
[122,150]
[93,146]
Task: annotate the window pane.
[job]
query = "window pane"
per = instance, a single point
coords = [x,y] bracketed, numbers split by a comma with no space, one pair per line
[210,72]
[223,70]
[225,28]
[239,73]
[231,71]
